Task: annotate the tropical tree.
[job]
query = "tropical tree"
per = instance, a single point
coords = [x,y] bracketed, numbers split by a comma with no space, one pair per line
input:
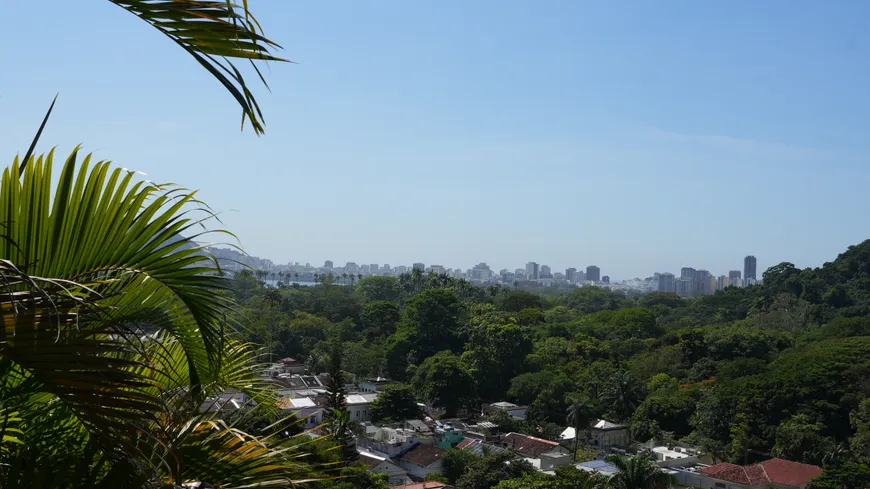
[580,415]
[623,393]
[115,336]
[639,472]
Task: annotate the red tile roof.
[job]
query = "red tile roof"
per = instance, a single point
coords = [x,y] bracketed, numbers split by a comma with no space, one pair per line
[528,445]
[790,473]
[775,470]
[424,455]
[465,442]
[423,485]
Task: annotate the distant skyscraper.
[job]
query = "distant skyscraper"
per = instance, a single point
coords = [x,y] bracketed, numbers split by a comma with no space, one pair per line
[702,282]
[419,266]
[593,273]
[364,268]
[666,282]
[605,279]
[685,287]
[545,271]
[723,282]
[327,264]
[373,268]
[438,270]
[532,270]
[749,268]
[569,273]
[687,272]
[734,274]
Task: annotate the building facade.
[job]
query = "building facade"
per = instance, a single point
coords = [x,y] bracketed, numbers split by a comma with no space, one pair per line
[749,264]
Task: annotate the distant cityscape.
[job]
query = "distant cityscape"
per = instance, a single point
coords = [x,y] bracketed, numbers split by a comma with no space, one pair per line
[689,283]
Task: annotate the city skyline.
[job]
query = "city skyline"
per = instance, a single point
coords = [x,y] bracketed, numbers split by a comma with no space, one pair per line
[531,270]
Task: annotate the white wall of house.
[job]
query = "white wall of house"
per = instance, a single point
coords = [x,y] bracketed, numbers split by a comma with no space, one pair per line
[420,471]
[396,475]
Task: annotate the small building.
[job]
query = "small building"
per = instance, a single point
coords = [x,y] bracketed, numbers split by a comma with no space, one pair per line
[418,426]
[447,436]
[674,457]
[423,460]
[304,409]
[389,441]
[374,385]
[605,434]
[530,446]
[424,485]
[357,406]
[599,466]
[774,473]
[227,401]
[292,366]
[513,410]
[378,464]
[479,447]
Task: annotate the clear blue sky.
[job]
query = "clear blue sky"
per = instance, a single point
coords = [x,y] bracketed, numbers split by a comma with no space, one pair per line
[638,136]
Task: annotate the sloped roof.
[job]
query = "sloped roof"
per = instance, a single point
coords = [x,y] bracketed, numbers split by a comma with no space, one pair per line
[424,455]
[528,446]
[478,447]
[776,470]
[423,485]
[370,460]
[603,424]
[790,473]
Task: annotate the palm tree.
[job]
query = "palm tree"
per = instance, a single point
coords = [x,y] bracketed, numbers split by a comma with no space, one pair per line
[623,393]
[580,414]
[640,472]
[115,335]
[213,32]
[359,276]
[344,277]
[296,276]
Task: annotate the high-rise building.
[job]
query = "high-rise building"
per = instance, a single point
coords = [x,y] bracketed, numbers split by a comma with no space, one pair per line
[520,273]
[386,268]
[532,270]
[666,282]
[419,266]
[351,267]
[723,282]
[593,273]
[569,273]
[546,272]
[327,264]
[373,268]
[364,269]
[711,281]
[438,270]
[605,279]
[580,276]
[749,268]
[401,269]
[702,282]
[734,274]
[687,272]
[685,287]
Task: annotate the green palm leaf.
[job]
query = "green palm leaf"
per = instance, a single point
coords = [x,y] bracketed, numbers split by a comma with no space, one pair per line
[213,32]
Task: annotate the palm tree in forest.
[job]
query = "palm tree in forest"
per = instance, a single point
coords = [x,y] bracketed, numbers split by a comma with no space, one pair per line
[359,276]
[580,414]
[639,472]
[296,276]
[622,392]
[344,277]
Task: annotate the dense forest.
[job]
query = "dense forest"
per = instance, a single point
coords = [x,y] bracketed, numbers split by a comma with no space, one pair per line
[778,369]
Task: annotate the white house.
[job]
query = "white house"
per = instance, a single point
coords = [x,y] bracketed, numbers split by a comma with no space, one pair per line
[423,460]
[378,464]
[603,434]
[304,409]
[357,406]
[513,410]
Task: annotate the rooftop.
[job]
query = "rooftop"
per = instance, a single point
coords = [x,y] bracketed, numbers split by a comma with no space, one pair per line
[775,470]
[528,446]
[423,485]
[597,466]
[424,455]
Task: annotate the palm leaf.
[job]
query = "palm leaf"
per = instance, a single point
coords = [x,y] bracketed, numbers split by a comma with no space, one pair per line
[213,32]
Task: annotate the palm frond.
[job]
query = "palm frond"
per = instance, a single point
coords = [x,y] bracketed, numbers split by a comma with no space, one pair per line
[213,32]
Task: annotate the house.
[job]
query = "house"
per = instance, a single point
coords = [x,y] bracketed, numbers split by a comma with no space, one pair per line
[513,410]
[530,446]
[674,457]
[357,406]
[228,400]
[388,441]
[292,366]
[418,426]
[374,385]
[377,464]
[424,485]
[447,436]
[423,460]
[479,447]
[304,409]
[605,434]
[777,473]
